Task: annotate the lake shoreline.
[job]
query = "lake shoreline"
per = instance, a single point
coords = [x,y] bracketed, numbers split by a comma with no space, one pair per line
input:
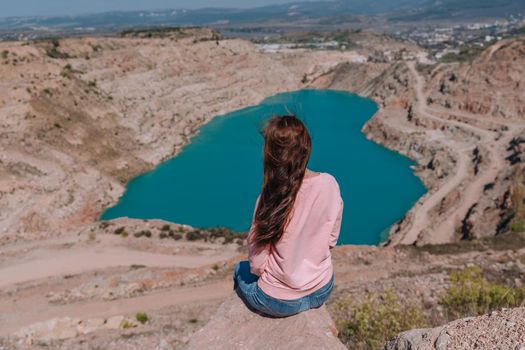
[250,118]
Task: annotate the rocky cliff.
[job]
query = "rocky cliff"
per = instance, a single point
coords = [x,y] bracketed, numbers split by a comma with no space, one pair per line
[78,122]
[503,329]
[463,124]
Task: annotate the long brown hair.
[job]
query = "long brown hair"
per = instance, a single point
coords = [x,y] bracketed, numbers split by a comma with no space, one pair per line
[287,147]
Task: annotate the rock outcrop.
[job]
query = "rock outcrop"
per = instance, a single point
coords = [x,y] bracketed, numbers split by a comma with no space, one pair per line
[66,327]
[234,326]
[489,86]
[503,329]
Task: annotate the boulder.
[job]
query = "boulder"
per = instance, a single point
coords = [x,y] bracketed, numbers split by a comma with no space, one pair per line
[504,329]
[234,326]
[66,328]
[114,322]
[46,331]
[90,325]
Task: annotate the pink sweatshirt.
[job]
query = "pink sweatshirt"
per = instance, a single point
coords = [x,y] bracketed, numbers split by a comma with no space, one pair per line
[300,263]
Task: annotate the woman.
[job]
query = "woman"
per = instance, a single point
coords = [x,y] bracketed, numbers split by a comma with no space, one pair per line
[295,224]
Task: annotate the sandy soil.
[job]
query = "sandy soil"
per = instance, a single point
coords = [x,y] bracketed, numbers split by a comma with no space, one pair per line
[47,263]
[29,311]
[32,272]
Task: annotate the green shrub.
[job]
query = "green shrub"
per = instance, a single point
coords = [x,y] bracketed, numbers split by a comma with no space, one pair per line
[142,317]
[5,53]
[518,201]
[119,230]
[55,53]
[104,224]
[517,226]
[151,32]
[470,294]
[465,54]
[67,71]
[221,232]
[371,323]
[146,233]
[126,325]
[52,50]
[166,228]
[193,235]
[305,79]
[175,236]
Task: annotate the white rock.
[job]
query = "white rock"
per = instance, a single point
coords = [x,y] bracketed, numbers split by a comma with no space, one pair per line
[53,329]
[90,325]
[114,322]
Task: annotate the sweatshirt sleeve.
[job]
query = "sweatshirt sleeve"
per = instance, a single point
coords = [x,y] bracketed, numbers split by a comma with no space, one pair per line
[334,234]
[333,196]
[257,256]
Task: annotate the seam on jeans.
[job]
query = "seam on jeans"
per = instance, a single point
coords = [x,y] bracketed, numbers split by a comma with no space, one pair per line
[250,293]
[321,298]
[290,302]
[322,294]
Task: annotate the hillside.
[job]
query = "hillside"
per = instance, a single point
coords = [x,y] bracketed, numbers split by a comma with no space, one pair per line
[463,123]
[78,121]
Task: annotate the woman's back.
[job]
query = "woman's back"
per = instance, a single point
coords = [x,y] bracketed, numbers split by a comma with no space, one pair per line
[296,221]
[300,262]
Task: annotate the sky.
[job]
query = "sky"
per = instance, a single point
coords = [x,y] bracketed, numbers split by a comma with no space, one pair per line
[10,8]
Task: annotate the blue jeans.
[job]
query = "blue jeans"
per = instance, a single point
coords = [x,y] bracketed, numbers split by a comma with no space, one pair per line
[245,284]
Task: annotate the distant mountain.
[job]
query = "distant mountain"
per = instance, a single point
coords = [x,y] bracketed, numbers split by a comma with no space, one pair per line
[462,9]
[295,12]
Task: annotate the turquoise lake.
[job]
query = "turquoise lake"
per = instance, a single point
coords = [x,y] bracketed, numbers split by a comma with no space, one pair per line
[215,180]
